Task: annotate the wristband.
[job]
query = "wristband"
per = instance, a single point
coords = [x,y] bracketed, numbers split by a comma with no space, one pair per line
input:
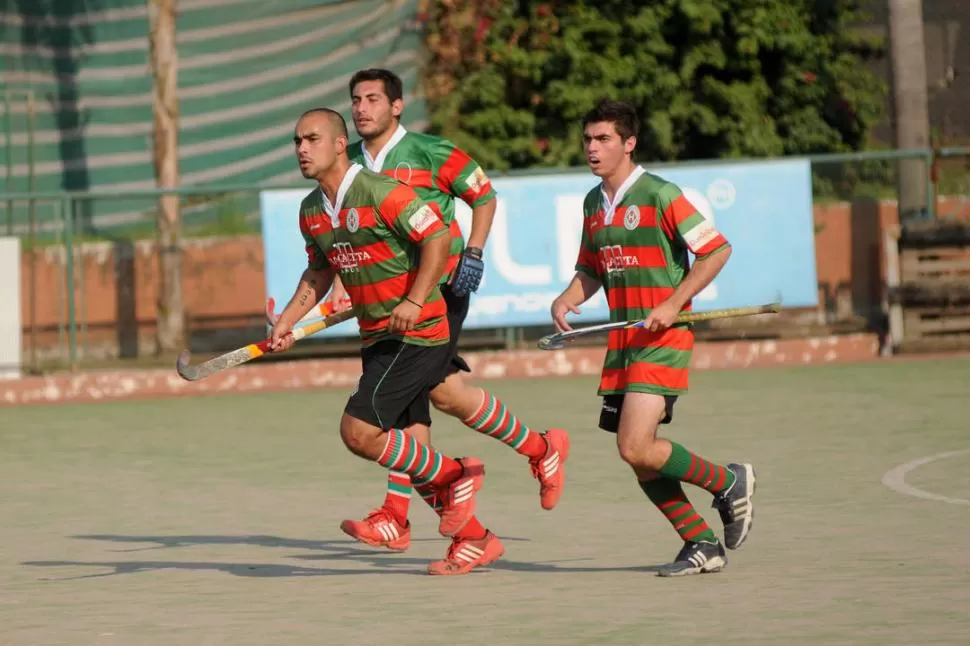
[413,302]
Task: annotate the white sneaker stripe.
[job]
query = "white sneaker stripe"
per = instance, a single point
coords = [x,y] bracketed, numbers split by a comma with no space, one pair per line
[466,556]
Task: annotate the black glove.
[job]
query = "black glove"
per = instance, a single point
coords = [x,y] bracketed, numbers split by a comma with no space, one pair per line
[468,274]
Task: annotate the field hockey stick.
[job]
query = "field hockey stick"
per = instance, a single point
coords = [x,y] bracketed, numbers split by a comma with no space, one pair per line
[323,308]
[249,352]
[559,339]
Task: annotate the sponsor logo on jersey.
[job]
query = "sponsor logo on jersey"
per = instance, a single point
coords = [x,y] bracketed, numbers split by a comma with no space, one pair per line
[613,261]
[345,258]
[702,234]
[477,180]
[421,219]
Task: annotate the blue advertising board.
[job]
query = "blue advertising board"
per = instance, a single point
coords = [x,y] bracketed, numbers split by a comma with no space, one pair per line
[763,208]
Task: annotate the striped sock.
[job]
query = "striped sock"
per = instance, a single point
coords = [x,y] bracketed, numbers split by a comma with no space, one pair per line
[425,465]
[685,466]
[398,497]
[495,420]
[670,499]
[474,530]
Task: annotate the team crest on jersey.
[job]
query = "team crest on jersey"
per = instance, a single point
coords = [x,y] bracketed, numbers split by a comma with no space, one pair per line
[353,221]
[402,172]
[477,180]
[631,219]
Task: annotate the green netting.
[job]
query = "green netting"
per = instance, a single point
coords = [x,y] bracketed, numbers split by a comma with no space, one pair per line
[247,69]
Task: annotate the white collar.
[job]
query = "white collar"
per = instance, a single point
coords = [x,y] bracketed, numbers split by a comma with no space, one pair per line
[376,163]
[333,210]
[609,208]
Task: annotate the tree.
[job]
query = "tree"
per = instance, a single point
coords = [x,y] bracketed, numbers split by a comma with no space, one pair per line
[510,81]
[164,66]
[911,123]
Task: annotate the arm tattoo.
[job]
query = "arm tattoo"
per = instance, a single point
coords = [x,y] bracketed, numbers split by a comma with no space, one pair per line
[305,295]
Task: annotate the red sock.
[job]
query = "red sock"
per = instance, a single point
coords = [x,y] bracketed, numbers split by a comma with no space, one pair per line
[534,446]
[398,498]
[495,420]
[423,463]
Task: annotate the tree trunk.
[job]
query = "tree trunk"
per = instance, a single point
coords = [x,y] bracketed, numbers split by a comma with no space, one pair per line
[911,125]
[164,64]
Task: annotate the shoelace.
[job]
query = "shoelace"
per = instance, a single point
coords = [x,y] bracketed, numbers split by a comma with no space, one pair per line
[378,515]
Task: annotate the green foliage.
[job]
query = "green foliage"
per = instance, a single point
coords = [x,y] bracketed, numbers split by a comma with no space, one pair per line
[510,81]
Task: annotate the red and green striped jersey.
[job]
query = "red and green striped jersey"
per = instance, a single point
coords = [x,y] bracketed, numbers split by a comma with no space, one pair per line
[637,248]
[437,170]
[371,235]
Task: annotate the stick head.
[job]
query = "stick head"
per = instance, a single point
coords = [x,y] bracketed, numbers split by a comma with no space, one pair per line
[552,342]
[555,341]
[182,366]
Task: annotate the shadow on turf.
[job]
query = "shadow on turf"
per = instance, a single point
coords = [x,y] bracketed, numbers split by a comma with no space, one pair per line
[379,562]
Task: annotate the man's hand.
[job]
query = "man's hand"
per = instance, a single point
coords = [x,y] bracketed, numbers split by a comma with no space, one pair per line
[281,340]
[468,275]
[404,316]
[338,299]
[559,309]
[662,317]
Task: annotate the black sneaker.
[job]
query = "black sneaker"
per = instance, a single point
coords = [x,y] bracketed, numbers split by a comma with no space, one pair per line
[696,558]
[735,506]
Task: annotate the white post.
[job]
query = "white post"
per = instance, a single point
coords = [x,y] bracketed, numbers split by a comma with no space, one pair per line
[10,327]
[893,272]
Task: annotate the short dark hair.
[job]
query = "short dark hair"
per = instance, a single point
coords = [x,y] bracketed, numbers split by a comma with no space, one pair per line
[336,120]
[393,87]
[622,115]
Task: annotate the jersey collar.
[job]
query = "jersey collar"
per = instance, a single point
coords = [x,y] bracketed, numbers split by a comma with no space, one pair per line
[609,208]
[333,210]
[376,163]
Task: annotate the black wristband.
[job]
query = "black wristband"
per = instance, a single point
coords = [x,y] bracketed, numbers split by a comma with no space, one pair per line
[474,251]
[410,300]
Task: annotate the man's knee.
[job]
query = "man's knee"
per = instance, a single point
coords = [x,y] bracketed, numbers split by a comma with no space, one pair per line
[454,397]
[361,438]
[645,455]
[636,438]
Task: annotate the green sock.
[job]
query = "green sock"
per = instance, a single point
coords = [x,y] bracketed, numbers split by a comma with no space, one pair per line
[670,499]
[685,466]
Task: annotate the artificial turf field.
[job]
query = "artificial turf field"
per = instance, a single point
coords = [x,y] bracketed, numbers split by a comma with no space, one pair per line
[215,521]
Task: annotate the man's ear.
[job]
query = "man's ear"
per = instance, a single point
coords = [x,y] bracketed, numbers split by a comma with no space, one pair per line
[630,145]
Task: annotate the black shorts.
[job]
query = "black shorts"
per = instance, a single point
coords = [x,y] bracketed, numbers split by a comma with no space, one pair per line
[457,311]
[393,390]
[613,406]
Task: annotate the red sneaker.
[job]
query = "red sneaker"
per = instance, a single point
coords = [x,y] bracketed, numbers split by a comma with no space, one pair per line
[465,554]
[379,529]
[458,499]
[549,468]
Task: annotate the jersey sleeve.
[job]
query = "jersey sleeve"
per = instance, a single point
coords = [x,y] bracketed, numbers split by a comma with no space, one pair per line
[408,217]
[460,175]
[586,262]
[683,223]
[315,256]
